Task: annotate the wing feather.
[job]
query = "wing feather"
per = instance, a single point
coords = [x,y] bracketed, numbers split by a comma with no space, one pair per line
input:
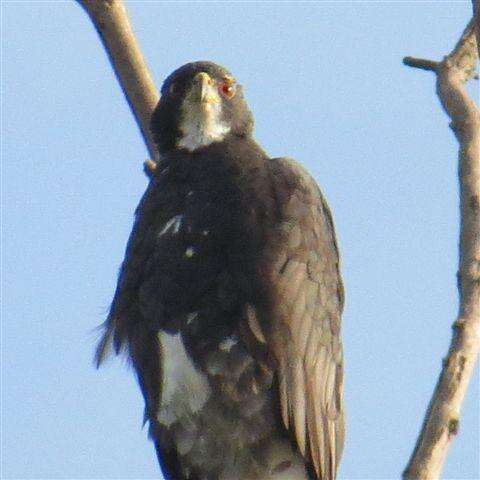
[123,315]
[307,301]
[299,404]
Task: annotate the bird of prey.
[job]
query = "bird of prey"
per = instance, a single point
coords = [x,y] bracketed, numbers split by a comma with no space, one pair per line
[229,299]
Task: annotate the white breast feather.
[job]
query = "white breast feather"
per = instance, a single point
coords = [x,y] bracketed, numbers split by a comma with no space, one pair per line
[173,225]
[185,389]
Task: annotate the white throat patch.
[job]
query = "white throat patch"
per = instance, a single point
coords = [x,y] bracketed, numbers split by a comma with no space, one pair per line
[201,125]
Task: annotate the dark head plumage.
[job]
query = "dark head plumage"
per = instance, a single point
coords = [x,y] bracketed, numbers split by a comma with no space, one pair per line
[200,104]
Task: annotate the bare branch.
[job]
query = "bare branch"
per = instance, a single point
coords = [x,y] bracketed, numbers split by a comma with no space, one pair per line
[442,418]
[110,19]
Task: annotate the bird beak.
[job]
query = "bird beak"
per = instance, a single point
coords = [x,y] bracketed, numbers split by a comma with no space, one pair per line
[204,89]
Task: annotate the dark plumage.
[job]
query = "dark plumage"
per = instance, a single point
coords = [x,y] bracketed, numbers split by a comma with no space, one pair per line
[229,298]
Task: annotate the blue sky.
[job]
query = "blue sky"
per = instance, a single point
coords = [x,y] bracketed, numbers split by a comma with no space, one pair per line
[327,87]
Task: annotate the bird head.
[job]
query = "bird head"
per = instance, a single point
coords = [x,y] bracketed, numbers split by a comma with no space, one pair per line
[200,104]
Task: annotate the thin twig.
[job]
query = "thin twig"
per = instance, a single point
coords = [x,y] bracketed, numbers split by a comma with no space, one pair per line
[111,22]
[441,422]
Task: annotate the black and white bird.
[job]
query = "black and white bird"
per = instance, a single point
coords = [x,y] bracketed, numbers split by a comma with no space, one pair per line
[229,299]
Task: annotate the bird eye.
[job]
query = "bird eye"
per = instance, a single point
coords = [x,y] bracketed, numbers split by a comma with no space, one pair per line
[172,90]
[227,88]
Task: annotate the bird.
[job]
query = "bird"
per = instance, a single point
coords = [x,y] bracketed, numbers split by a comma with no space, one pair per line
[229,299]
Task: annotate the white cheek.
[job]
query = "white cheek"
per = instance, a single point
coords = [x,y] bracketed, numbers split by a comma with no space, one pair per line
[185,389]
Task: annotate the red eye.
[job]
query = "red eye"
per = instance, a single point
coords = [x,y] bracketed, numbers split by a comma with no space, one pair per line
[227,88]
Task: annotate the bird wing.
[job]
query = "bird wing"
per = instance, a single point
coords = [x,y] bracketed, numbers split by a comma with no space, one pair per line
[124,310]
[303,325]
[127,329]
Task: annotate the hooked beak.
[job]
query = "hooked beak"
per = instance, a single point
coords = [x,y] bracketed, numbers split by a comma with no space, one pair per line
[204,90]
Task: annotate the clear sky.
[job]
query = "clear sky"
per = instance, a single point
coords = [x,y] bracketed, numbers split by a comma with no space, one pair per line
[327,87]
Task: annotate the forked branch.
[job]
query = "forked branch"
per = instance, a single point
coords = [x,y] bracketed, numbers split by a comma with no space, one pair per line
[441,422]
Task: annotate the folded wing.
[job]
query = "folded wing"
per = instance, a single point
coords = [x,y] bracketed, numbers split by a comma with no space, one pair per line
[306,296]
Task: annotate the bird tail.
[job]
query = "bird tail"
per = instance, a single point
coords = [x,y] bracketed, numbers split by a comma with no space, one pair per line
[104,345]
[114,338]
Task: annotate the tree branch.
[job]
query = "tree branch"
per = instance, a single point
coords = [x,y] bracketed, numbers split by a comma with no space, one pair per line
[421,63]
[111,22]
[441,422]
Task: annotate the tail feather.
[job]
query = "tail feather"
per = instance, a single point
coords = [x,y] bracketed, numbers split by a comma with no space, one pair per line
[104,345]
